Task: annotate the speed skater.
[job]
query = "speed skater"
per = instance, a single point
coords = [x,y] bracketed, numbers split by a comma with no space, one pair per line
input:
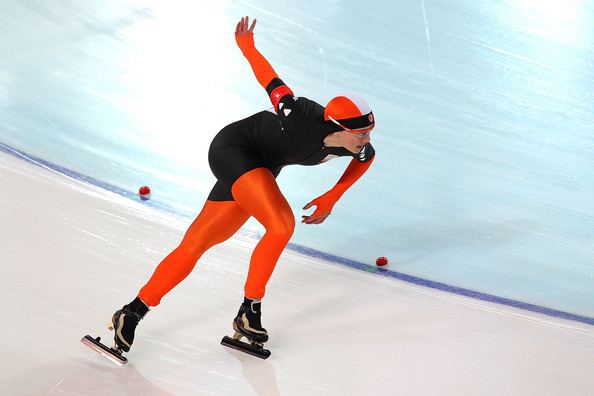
[246,157]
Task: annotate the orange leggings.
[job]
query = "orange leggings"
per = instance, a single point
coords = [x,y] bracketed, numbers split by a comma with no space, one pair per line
[256,194]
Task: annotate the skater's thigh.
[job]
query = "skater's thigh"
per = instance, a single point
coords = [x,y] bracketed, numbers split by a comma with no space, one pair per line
[259,195]
[222,191]
[217,222]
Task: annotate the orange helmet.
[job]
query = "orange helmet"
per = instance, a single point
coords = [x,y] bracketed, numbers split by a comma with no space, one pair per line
[351,112]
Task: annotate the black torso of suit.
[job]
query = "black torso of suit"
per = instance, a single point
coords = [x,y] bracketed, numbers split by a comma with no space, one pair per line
[293,135]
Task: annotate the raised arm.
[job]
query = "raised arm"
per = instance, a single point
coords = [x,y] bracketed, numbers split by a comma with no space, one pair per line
[265,74]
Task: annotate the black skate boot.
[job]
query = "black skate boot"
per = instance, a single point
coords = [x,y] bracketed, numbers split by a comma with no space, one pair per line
[247,322]
[124,322]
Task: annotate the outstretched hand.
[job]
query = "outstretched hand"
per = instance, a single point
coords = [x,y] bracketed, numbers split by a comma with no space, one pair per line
[243,27]
[318,216]
[324,205]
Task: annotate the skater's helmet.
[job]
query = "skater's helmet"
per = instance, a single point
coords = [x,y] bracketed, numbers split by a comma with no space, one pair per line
[351,112]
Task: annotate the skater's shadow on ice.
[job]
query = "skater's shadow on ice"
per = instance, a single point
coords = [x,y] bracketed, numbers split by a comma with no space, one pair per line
[260,374]
[95,377]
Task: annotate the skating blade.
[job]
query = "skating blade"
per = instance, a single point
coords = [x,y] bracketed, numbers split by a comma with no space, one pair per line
[253,350]
[109,353]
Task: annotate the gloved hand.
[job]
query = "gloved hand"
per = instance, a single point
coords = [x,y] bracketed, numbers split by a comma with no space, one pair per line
[324,205]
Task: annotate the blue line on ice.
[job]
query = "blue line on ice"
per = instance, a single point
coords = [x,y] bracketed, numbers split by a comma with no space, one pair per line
[318,254]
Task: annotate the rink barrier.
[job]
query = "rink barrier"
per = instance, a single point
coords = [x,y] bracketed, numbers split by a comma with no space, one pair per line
[441,286]
[385,272]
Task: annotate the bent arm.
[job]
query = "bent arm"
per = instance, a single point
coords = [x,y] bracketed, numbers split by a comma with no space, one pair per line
[353,172]
[325,203]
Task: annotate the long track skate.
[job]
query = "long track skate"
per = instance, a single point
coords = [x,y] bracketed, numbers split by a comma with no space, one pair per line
[113,354]
[253,348]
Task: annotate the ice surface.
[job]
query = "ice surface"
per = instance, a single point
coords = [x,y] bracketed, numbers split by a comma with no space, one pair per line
[73,253]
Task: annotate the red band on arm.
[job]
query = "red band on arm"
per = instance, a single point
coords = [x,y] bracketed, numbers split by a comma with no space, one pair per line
[278,93]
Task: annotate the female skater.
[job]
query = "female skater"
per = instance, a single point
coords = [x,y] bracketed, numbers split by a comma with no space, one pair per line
[246,156]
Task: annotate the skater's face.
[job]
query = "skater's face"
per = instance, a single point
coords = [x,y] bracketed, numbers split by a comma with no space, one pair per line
[354,139]
[354,142]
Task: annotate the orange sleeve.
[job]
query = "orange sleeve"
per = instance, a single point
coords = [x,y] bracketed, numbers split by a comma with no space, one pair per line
[326,202]
[352,173]
[262,69]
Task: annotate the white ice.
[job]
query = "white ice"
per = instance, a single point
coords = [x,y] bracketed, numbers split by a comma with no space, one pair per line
[73,253]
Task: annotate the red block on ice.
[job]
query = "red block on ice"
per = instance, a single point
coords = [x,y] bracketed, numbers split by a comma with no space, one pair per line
[381,261]
[144,192]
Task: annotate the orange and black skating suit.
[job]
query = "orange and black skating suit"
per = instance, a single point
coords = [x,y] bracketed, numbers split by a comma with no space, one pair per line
[293,135]
[246,156]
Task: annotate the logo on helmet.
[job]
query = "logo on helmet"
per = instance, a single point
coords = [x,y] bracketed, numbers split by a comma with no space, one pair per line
[370,118]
